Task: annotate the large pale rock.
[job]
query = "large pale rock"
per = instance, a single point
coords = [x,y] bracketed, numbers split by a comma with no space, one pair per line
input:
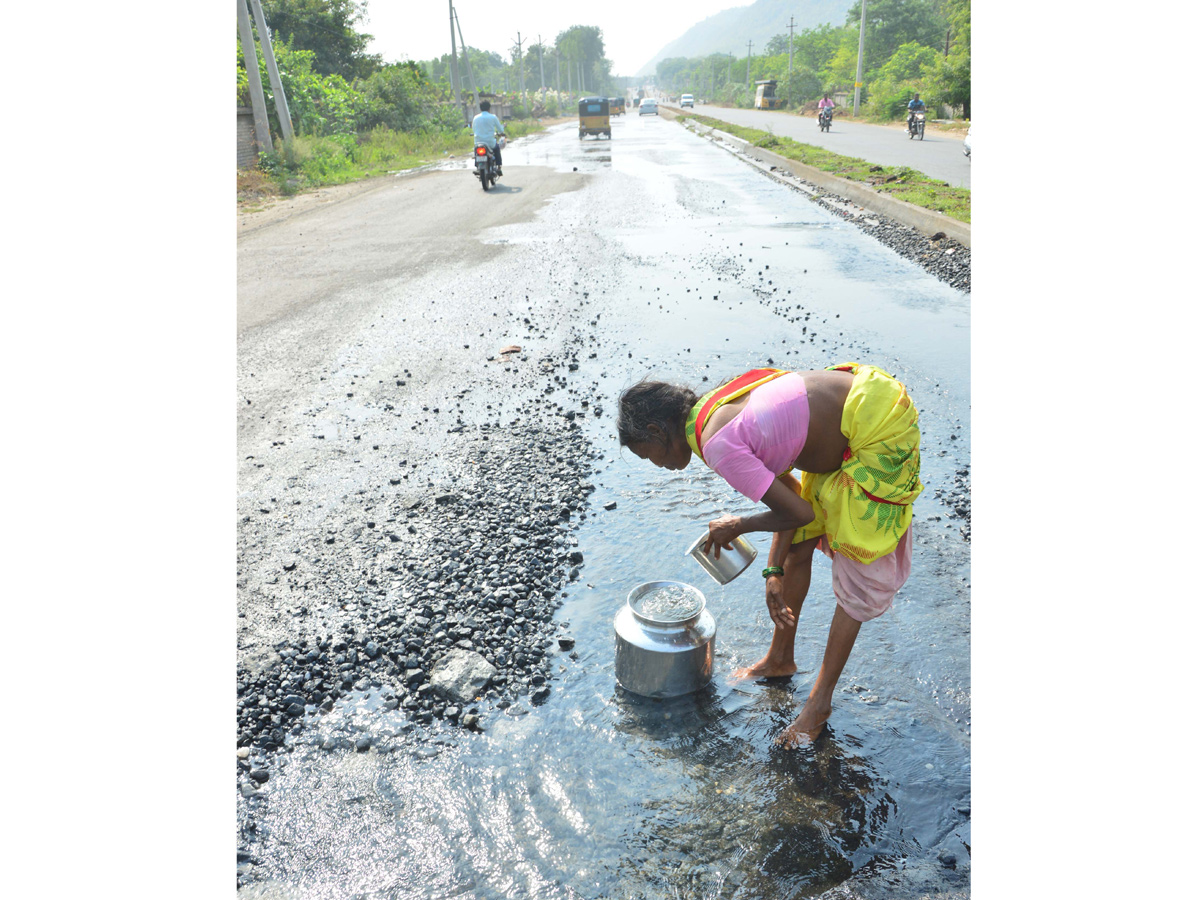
[461,675]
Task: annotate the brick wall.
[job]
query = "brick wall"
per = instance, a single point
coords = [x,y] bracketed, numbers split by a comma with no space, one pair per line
[247,148]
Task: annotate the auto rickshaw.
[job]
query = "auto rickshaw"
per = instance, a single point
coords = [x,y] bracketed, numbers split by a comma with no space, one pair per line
[593,117]
[764,97]
[616,106]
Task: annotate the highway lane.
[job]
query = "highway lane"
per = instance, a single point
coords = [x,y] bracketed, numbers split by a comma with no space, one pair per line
[939,155]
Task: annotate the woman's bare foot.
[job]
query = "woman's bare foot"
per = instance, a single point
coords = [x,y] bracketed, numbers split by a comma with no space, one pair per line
[807,726]
[767,668]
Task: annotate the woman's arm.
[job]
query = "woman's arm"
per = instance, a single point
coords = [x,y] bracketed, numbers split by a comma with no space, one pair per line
[787,511]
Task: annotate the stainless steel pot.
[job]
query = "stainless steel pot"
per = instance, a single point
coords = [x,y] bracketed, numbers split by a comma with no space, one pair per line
[732,562]
[657,657]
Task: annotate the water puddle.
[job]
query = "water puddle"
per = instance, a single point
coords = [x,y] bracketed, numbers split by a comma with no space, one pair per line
[599,793]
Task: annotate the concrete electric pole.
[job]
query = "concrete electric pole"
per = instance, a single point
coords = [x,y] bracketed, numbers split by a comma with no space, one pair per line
[454,67]
[791,39]
[470,75]
[749,53]
[521,63]
[264,39]
[541,63]
[862,28]
[258,103]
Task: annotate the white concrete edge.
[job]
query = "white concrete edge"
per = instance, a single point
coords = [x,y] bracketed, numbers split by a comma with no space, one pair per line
[923,220]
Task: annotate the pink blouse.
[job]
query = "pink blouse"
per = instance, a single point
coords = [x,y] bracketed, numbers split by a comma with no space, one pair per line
[763,439]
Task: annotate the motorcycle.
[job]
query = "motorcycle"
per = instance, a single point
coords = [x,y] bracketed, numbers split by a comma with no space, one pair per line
[916,126]
[825,118]
[485,163]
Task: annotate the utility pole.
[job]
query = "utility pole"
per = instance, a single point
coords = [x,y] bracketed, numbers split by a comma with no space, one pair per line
[281,107]
[454,67]
[569,91]
[749,53]
[467,60]
[558,74]
[862,28]
[791,39]
[582,87]
[262,131]
[521,63]
[729,74]
[541,64]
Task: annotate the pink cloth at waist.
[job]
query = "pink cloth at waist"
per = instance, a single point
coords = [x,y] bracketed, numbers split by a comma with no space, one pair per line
[764,438]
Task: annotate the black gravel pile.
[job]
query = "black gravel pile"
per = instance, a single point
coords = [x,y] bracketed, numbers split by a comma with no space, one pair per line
[957,497]
[501,553]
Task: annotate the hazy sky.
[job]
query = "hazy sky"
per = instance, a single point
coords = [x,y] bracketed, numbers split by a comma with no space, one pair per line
[633,31]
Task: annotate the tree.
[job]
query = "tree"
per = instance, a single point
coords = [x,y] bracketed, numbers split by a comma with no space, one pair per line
[909,63]
[891,23]
[326,28]
[393,97]
[816,48]
[668,71]
[954,72]
[585,44]
[776,45]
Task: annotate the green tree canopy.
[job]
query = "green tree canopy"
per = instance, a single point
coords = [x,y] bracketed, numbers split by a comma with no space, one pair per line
[891,23]
[327,29]
[585,44]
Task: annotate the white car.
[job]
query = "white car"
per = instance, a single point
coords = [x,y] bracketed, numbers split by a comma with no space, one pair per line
[648,105]
[687,100]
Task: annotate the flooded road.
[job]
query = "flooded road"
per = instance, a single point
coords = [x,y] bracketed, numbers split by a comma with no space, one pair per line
[675,260]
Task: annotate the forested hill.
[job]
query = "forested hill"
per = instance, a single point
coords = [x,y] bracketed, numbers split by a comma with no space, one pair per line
[730,30]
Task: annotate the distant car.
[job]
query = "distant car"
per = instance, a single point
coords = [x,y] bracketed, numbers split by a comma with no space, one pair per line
[967,143]
[649,105]
[687,100]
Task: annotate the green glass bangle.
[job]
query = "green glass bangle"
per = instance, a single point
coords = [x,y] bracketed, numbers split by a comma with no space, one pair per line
[773,570]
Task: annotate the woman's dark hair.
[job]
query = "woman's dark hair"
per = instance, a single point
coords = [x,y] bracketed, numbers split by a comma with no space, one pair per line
[652,403]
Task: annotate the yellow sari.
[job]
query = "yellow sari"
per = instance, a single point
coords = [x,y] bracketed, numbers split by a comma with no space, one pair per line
[865,506]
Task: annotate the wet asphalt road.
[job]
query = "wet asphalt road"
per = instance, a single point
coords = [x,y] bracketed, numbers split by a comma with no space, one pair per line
[938,156]
[384,442]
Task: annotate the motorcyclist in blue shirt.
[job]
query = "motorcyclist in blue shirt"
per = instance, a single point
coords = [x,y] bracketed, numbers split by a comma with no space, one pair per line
[915,105]
[486,126]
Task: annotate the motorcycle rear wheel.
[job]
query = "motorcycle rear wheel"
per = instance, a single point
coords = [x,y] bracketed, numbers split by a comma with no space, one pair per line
[483,179]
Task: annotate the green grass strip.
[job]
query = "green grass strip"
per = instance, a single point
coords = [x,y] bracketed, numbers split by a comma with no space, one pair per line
[900,182]
[308,162]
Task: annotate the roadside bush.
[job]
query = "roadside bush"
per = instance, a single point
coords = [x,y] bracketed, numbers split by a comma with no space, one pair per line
[319,104]
[392,97]
[887,101]
[911,69]
[804,85]
[307,160]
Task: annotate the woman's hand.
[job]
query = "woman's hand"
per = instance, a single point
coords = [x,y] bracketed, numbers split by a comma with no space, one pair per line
[781,615]
[721,533]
